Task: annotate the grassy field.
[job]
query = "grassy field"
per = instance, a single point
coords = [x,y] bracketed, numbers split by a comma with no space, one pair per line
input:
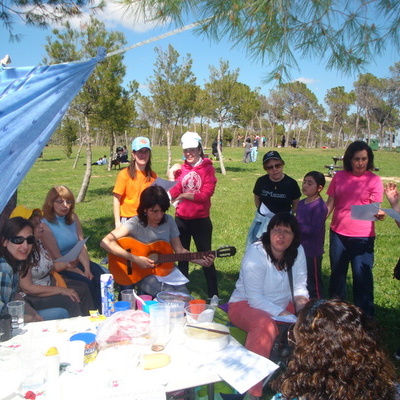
[232,213]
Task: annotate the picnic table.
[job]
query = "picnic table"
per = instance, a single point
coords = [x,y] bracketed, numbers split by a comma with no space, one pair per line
[332,168]
[116,372]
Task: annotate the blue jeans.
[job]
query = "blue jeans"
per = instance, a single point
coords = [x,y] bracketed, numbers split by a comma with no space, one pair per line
[53,313]
[359,251]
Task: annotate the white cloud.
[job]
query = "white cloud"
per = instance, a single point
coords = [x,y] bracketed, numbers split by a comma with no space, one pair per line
[115,15]
[307,81]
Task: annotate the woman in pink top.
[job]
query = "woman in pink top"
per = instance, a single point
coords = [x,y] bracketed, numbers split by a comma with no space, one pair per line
[352,241]
[192,198]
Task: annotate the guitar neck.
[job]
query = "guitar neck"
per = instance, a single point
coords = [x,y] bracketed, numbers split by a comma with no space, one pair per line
[168,258]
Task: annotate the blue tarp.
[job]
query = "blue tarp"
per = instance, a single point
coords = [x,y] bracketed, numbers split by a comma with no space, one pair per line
[32,102]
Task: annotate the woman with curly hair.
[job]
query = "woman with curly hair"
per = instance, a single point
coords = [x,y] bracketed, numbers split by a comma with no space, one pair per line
[336,356]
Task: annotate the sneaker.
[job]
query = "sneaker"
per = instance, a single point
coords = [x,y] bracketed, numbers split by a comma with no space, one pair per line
[397,354]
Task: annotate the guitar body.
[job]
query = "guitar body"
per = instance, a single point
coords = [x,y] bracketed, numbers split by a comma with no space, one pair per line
[127,273]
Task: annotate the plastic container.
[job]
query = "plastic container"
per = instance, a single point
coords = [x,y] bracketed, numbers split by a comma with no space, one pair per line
[107,294]
[203,341]
[122,306]
[194,315]
[171,296]
[90,353]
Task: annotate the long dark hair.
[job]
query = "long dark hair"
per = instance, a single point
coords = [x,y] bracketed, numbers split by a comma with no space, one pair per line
[10,229]
[352,149]
[336,356]
[289,257]
[152,196]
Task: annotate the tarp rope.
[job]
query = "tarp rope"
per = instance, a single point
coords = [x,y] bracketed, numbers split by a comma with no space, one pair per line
[154,39]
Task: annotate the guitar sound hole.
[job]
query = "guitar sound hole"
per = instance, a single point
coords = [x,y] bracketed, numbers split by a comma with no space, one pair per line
[153,257]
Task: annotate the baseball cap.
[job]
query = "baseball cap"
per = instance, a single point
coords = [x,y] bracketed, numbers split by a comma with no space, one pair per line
[140,143]
[271,155]
[190,140]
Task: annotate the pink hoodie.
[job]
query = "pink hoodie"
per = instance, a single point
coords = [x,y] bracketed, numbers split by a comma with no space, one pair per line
[199,180]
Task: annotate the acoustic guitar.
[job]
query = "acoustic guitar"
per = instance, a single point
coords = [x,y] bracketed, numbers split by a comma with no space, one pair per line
[126,272]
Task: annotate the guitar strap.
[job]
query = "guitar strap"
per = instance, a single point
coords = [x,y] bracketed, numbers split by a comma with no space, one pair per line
[290,276]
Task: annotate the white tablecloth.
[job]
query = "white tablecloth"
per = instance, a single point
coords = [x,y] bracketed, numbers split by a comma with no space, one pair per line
[116,373]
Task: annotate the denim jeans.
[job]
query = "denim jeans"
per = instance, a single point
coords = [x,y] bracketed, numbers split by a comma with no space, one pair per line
[359,251]
[53,313]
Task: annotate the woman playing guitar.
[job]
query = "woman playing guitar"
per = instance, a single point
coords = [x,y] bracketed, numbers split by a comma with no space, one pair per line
[149,226]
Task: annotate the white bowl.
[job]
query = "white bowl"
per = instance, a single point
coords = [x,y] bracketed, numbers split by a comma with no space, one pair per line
[205,341]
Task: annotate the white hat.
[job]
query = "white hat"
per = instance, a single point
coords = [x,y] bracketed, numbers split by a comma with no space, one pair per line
[190,140]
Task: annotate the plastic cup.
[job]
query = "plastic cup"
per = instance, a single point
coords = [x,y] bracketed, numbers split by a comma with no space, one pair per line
[90,349]
[75,354]
[144,297]
[5,327]
[17,309]
[176,314]
[148,305]
[159,326]
[122,306]
[207,315]
[33,368]
[197,305]
[52,367]
[127,295]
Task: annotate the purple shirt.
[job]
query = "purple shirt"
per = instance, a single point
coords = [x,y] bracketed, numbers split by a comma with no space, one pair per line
[311,218]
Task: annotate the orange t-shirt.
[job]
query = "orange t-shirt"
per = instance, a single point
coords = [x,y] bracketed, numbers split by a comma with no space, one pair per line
[130,190]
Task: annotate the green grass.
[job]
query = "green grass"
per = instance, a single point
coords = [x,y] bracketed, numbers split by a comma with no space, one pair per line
[232,213]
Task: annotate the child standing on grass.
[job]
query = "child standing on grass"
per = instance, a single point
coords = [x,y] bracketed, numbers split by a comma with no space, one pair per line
[311,214]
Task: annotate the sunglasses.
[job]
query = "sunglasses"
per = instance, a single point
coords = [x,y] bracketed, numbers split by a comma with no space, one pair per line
[21,239]
[271,167]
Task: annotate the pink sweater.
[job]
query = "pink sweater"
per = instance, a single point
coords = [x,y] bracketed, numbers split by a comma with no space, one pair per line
[347,190]
[199,180]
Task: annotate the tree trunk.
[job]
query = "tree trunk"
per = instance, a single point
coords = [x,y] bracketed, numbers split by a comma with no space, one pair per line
[112,147]
[221,161]
[78,153]
[88,171]
[169,153]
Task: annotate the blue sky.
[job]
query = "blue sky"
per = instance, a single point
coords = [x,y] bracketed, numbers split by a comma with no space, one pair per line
[140,61]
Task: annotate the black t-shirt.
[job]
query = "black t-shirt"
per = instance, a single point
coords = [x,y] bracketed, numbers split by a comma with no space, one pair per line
[277,196]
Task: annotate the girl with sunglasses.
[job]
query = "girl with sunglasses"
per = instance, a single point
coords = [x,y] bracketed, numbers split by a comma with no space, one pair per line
[18,252]
[42,286]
